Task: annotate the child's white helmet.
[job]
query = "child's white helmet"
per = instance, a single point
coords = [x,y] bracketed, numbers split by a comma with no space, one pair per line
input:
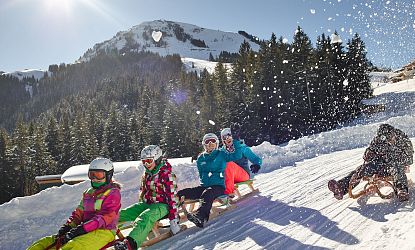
[151,151]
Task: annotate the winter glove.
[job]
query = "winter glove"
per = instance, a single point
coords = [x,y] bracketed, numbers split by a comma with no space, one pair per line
[73,233]
[63,230]
[255,168]
[174,227]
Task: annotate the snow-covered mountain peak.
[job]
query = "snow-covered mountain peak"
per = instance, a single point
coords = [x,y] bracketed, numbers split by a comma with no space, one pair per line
[28,73]
[187,40]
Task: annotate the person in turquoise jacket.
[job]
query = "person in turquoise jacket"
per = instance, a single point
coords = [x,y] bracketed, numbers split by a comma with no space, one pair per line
[238,170]
[211,165]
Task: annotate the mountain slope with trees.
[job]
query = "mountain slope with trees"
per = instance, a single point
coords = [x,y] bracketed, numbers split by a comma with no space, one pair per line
[114,104]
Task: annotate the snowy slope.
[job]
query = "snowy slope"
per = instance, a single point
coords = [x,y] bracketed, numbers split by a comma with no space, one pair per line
[294,209]
[198,65]
[28,73]
[140,38]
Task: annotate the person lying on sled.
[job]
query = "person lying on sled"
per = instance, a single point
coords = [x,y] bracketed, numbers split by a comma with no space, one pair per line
[388,154]
[158,198]
[94,222]
[238,170]
[211,165]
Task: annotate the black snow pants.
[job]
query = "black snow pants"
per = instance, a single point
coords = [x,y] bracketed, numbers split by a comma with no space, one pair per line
[370,168]
[207,196]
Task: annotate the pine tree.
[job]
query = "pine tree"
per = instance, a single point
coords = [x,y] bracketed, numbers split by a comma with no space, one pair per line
[324,91]
[52,139]
[137,142]
[238,90]
[208,104]
[275,87]
[265,86]
[358,84]
[252,125]
[78,142]
[93,132]
[111,138]
[283,121]
[174,128]
[221,92]
[65,140]
[41,162]
[302,63]
[338,77]
[8,184]
[19,158]
[155,120]
[125,146]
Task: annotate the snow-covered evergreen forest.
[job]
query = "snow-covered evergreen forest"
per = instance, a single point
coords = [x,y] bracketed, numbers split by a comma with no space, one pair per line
[294,208]
[115,103]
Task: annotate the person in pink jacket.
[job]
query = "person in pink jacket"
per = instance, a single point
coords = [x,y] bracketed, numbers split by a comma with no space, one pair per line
[93,224]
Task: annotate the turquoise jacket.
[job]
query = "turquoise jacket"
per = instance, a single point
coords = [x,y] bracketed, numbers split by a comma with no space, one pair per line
[212,166]
[247,154]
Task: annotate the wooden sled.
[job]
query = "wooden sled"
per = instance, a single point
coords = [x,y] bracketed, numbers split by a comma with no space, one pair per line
[373,185]
[221,204]
[158,233]
[250,184]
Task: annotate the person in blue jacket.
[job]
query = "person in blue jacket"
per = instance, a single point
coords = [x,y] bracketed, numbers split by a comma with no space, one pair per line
[238,170]
[211,165]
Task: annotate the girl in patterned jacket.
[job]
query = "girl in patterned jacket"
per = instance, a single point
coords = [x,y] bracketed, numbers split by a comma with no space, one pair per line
[93,223]
[158,199]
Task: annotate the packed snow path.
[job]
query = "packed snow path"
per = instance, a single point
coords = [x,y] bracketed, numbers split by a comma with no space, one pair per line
[294,209]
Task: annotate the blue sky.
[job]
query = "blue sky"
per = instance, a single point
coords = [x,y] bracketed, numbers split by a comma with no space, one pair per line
[37,33]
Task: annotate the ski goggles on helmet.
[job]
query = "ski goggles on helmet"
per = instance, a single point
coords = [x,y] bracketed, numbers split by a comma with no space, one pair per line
[147,161]
[97,175]
[210,141]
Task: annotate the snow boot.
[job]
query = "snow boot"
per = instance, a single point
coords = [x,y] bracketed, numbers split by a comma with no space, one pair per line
[127,244]
[196,220]
[232,195]
[402,195]
[337,189]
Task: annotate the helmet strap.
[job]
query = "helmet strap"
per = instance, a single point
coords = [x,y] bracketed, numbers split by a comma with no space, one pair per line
[97,185]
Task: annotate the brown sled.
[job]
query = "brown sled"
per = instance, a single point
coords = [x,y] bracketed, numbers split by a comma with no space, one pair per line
[153,237]
[250,184]
[373,185]
[219,207]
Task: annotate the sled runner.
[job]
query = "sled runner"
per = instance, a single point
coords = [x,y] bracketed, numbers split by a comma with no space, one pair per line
[220,206]
[374,184]
[250,184]
[158,233]
[222,203]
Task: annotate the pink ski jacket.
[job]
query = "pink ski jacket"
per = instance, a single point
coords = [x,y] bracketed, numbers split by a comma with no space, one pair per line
[98,209]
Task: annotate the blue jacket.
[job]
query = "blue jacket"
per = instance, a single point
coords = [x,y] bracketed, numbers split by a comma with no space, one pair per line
[212,166]
[247,154]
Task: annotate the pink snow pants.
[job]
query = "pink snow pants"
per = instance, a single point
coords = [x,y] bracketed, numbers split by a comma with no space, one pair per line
[234,174]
